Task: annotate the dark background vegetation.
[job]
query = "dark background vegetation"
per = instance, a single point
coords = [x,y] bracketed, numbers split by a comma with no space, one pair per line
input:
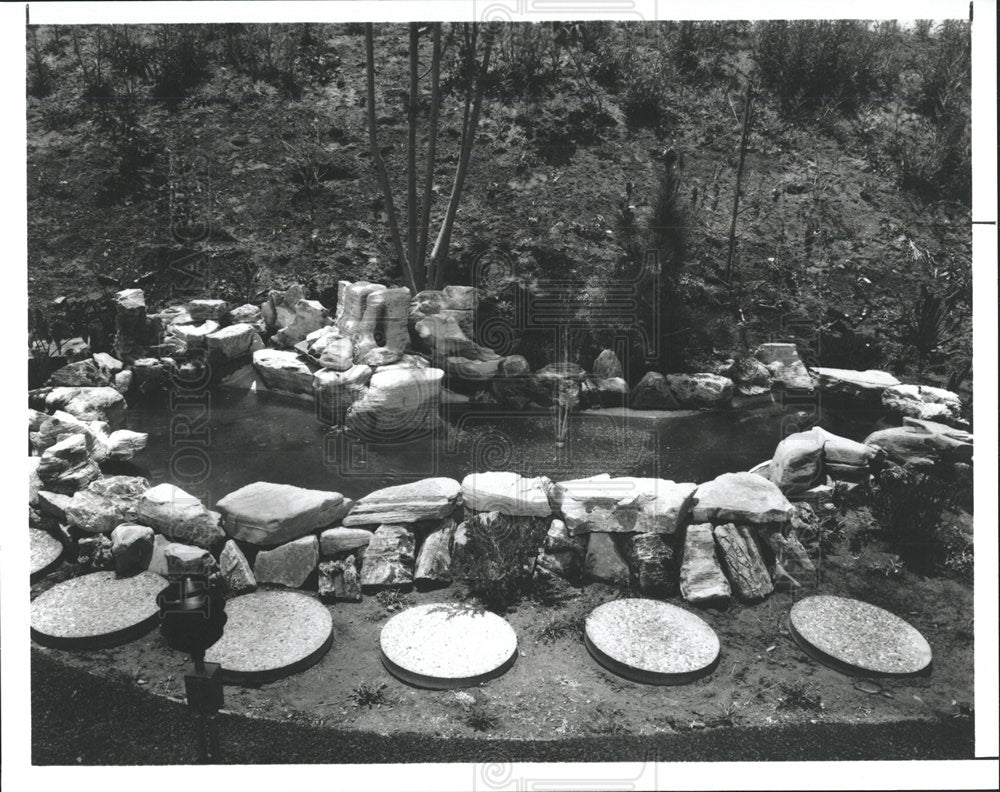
[599,143]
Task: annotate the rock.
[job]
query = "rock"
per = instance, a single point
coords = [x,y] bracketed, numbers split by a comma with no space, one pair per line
[123,382]
[750,376]
[441,335]
[433,567]
[742,497]
[236,570]
[791,567]
[610,392]
[475,370]
[389,558]
[158,561]
[71,349]
[108,363]
[94,554]
[785,366]
[309,315]
[185,559]
[701,578]
[200,310]
[132,549]
[622,505]
[651,560]
[337,354]
[509,493]
[513,366]
[384,322]
[381,356]
[923,443]
[863,388]
[700,390]
[53,504]
[924,402]
[247,314]
[604,560]
[841,454]
[231,342]
[336,391]
[744,565]
[179,516]
[82,373]
[193,336]
[89,404]
[797,463]
[150,375]
[125,444]
[106,503]
[652,393]
[283,370]
[400,404]
[454,302]
[607,365]
[36,418]
[428,499]
[67,465]
[563,554]
[60,426]
[289,564]
[338,581]
[134,332]
[264,513]
[334,542]
[352,302]
[279,310]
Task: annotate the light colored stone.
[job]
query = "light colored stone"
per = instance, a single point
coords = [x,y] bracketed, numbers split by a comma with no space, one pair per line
[651,561]
[283,370]
[82,373]
[740,497]
[509,493]
[279,309]
[563,554]
[231,342]
[427,499]
[289,564]
[106,503]
[185,559]
[123,382]
[652,393]
[247,314]
[334,542]
[389,559]
[743,562]
[924,402]
[236,570]
[132,548]
[264,513]
[194,335]
[797,463]
[474,370]
[750,376]
[791,567]
[701,390]
[701,577]
[125,444]
[34,483]
[622,505]
[607,365]
[338,354]
[923,443]
[456,302]
[179,516]
[400,404]
[89,404]
[842,451]
[310,315]
[338,581]
[433,566]
[158,560]
[336,391]
[109,363]
[53,504]
[442,336]
[132,326]
[604,560]
[67,466]
[785,366]
[862,387]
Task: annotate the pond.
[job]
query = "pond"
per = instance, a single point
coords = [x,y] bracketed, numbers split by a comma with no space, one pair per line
[230,438]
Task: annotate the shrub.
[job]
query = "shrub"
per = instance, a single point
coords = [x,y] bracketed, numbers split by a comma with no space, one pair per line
[908,506]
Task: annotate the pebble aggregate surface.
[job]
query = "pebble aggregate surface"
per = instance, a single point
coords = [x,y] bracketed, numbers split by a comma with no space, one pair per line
[45,550]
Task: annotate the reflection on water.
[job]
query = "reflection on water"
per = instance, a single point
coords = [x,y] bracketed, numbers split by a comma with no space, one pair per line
[251,437]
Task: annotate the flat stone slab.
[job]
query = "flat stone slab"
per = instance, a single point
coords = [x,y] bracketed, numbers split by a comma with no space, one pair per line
[651,641]
[46,551]
[856,637]
[271,634]
[443,646]
[96,610]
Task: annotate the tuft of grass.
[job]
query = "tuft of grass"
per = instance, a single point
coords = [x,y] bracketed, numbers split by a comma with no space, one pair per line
[796,696]
[369,695]
[560,627]
[605,719]
[479,718]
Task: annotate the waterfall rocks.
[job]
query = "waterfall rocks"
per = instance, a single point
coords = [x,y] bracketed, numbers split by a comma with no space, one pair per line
[741,498]
[621,505]
[508,493]
[264,513]
[785,366]
[923,443]
[179,516]
[427,499]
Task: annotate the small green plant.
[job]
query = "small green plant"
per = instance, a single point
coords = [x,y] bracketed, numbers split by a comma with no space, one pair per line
[369,695]
[908,506]
[479,718]
[797,696]
[561,627]
[605,719]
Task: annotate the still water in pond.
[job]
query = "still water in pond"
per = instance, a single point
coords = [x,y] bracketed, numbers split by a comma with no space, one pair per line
[244,437]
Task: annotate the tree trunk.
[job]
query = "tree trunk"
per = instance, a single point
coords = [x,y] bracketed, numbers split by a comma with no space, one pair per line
[421,265]
[411,156]
[739,178]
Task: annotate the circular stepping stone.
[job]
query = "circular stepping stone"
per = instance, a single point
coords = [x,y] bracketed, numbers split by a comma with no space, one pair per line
[271,634]
[96,610]
[651,641]
[854,637]
[447,645]
[46,552]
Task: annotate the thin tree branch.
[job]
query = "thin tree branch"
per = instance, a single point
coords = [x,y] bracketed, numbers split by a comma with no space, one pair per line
[432,135]
[411,156]
[739,178]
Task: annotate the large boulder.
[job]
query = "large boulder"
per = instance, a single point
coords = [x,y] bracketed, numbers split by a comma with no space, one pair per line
[89,404]
[433,566]
[694,391]
[622,505]
[279,310]
[248,314]
[54,428]
[179,516]
[352,305]
[67,465]
[233,342]
[236,570]
[132,549]
[34,483]
[454,302]
[340,541]
[743,561]
[134,331]
[289,564]
[283,370]
[389,559]
[861,388]
[924,402]
[400,404]
[605,560]
[797,464]
[701,577]
[785,366]
[653,392]
[336,391]
[472,370]
[82,373]
[383,324]
[125,444]
[607,365]
[509,493]
[750,376]
[309,315]
[442,336]
[651,560]
[427,499]
[193,336]
[923,443]
[106,503]
[740,497]
[265,513]
[843,457]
